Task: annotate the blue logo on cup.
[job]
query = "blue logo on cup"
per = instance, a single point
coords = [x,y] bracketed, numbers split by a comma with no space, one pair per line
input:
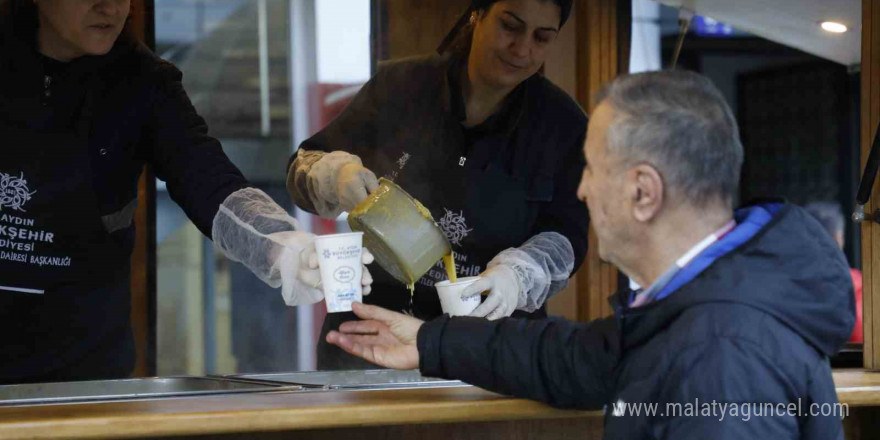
[344,274]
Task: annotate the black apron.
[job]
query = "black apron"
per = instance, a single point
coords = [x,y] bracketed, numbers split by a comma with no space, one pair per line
[64,280]
[482,207]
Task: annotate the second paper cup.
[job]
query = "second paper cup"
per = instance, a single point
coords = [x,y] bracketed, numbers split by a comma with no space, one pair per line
[451,300]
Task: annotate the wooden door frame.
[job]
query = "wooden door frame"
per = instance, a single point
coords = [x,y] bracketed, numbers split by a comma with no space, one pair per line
[870,115]
[143,258]
[603,35]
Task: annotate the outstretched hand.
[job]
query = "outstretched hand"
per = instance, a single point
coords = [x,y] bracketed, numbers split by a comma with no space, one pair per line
[385,338]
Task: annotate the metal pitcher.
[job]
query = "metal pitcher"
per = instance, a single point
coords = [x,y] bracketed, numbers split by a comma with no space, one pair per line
[400,232]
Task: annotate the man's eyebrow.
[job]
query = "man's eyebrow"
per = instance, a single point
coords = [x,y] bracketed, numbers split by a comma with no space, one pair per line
[515,17]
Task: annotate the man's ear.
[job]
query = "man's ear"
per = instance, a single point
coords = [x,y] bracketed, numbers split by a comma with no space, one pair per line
[647,194]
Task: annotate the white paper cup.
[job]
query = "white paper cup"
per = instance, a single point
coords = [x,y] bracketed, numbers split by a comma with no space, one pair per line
[339,259]
[451,300]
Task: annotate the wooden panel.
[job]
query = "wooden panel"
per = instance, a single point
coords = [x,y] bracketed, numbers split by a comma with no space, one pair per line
[417,26]
[560,66]
[138,23]
[857,387]
[862,423]
[867,277]
[143,257]
[597,64]
[561,69]
[870,110]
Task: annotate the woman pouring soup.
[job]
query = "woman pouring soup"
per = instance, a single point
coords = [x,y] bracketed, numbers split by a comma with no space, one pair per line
[485,142]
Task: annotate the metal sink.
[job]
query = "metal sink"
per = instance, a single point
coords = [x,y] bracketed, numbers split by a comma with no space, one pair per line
[354,379]
[129,389]
[164,387]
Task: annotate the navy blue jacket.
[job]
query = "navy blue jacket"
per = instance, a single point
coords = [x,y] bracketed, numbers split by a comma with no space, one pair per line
[757,326]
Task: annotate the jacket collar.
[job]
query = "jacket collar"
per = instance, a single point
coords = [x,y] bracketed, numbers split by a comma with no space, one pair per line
[790,269]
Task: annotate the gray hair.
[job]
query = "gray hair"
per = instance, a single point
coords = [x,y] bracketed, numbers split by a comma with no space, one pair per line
[678,122]
[829,215]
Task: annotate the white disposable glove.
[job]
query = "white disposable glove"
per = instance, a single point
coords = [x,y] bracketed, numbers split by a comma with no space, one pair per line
[252,229]
[296,261]
[310,273]
[298,287]
[523,278]
[504,291]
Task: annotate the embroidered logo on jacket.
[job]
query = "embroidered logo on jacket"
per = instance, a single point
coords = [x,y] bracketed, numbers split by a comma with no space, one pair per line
[454,226]
[14,192]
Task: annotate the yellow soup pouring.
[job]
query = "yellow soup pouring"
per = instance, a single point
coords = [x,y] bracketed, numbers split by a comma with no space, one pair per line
[449,261]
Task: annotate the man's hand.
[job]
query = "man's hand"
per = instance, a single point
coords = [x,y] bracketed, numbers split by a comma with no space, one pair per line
[385,338]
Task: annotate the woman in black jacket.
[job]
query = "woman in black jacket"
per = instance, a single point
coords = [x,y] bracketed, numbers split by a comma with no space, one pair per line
[485,142]
[83,106]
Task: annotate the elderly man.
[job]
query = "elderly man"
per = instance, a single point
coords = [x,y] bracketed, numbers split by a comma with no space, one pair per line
[731,337]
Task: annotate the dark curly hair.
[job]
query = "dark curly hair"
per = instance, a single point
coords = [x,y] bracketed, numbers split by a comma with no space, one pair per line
[458,40]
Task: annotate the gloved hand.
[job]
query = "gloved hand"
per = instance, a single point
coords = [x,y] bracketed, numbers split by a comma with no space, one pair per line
[329,182]
[296,262]
[310,273]
[252,229]
[353,184]
[504,292]
[523,278]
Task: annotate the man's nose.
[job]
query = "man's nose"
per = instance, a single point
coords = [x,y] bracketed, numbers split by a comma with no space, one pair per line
[582,190]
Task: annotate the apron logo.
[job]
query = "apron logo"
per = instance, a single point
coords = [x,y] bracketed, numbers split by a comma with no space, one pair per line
[454,226]
[14,192]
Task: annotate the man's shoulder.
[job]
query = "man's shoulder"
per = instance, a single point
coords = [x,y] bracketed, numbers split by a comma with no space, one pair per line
[714,327]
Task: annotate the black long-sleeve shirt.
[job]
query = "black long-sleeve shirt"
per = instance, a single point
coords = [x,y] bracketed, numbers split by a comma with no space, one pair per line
[138,113]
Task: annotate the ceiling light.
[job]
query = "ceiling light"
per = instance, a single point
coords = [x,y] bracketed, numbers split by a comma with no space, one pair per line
[834,27]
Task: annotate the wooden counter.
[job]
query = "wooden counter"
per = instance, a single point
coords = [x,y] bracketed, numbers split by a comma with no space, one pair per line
[277,411]
[858,387]
[465,412]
